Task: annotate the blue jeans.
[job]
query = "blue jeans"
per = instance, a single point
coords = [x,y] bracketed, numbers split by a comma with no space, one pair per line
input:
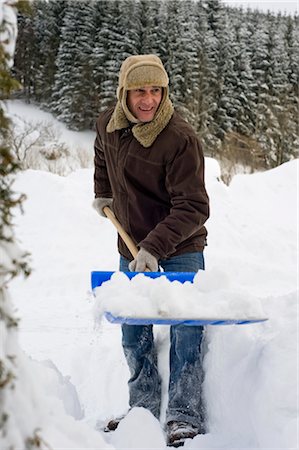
[185,401]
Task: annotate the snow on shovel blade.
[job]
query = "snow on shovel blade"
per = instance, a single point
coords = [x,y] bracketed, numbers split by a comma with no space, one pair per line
[97,277]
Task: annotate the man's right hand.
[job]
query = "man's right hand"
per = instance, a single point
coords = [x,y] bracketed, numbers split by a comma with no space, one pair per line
[100,202]
[144,261]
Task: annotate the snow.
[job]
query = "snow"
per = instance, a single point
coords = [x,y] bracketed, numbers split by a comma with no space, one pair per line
[143,297]
[76,359]
[43,143]
[21,110]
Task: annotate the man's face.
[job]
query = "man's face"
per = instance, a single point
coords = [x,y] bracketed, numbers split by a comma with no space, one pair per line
[144,102]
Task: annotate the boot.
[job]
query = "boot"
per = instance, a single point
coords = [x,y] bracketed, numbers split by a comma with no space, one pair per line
[178,432]
[112,424]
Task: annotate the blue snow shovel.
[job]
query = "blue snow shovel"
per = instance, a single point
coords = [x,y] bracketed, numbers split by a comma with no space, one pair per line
[99,277]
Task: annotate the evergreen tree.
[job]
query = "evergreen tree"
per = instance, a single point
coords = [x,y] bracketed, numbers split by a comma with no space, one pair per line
[214,12]
[214,18]
[118,36]
[280,134]
[260,64]
[162,32]
[107,55]
[191,47]
[24,53]
[175,54]
[226,76]
[182,62]
[99,52]
[13,260]
[47,23]
[38,27]
[291,38]
[207,76]
[73,87]
[235,80]
[129,27]
[243,83]
[152,28]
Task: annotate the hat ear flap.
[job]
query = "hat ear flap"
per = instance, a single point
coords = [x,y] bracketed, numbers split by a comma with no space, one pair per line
[124,104]
[119,93]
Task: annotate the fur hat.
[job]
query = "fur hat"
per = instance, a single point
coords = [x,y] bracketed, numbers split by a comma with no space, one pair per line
[139,71]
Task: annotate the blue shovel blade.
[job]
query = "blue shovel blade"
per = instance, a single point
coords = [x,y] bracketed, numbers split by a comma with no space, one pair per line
[97,277]
[176,321]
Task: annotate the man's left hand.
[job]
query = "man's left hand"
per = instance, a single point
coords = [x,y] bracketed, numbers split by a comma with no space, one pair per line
[144,261]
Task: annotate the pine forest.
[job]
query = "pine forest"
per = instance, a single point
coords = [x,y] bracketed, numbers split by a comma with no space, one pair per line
[233,72]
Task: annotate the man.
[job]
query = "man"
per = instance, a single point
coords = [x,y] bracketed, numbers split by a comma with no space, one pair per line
[149,168]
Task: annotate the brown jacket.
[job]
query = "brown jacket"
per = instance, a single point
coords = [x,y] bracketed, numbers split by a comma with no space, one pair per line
[158,193]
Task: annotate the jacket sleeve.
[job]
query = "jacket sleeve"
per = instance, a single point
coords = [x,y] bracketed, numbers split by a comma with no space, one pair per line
[189,201]
[102,186]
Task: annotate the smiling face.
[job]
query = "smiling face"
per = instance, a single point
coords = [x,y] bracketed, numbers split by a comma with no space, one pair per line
[144,102]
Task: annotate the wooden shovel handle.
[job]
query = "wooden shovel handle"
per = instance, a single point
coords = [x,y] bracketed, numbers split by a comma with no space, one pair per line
[124,235]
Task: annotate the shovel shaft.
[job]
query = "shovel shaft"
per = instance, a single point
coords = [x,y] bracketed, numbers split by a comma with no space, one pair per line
[124,235]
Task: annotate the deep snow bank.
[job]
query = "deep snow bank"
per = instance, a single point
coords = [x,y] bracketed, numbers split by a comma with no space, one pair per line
[250,371]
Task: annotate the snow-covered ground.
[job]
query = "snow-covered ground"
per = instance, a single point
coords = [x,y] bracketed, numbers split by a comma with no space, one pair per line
[44,143]
[251,384]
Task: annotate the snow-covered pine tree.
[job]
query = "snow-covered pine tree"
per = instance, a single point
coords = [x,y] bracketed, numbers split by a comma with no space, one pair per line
[280,131]
[226,76]
[47,23]
[292,47]
[129,26]
[118,36]
[24,53]
[197,100]
[191,45]
[12,258]
[258,47]
[99,52]
[39,27]
[207,74]
[161,32]
[175,52]
[213,11]
[291,38]
[182,56]
[275,113]
[73,88]
[243,82]
[290,99]
[107,54]
[152,29]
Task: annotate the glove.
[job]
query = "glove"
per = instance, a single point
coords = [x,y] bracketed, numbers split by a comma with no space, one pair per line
[144,260]
[99,204]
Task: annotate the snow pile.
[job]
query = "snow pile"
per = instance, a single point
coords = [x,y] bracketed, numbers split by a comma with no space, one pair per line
[143,297]
[129,436]
[44,401]
[250,370]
